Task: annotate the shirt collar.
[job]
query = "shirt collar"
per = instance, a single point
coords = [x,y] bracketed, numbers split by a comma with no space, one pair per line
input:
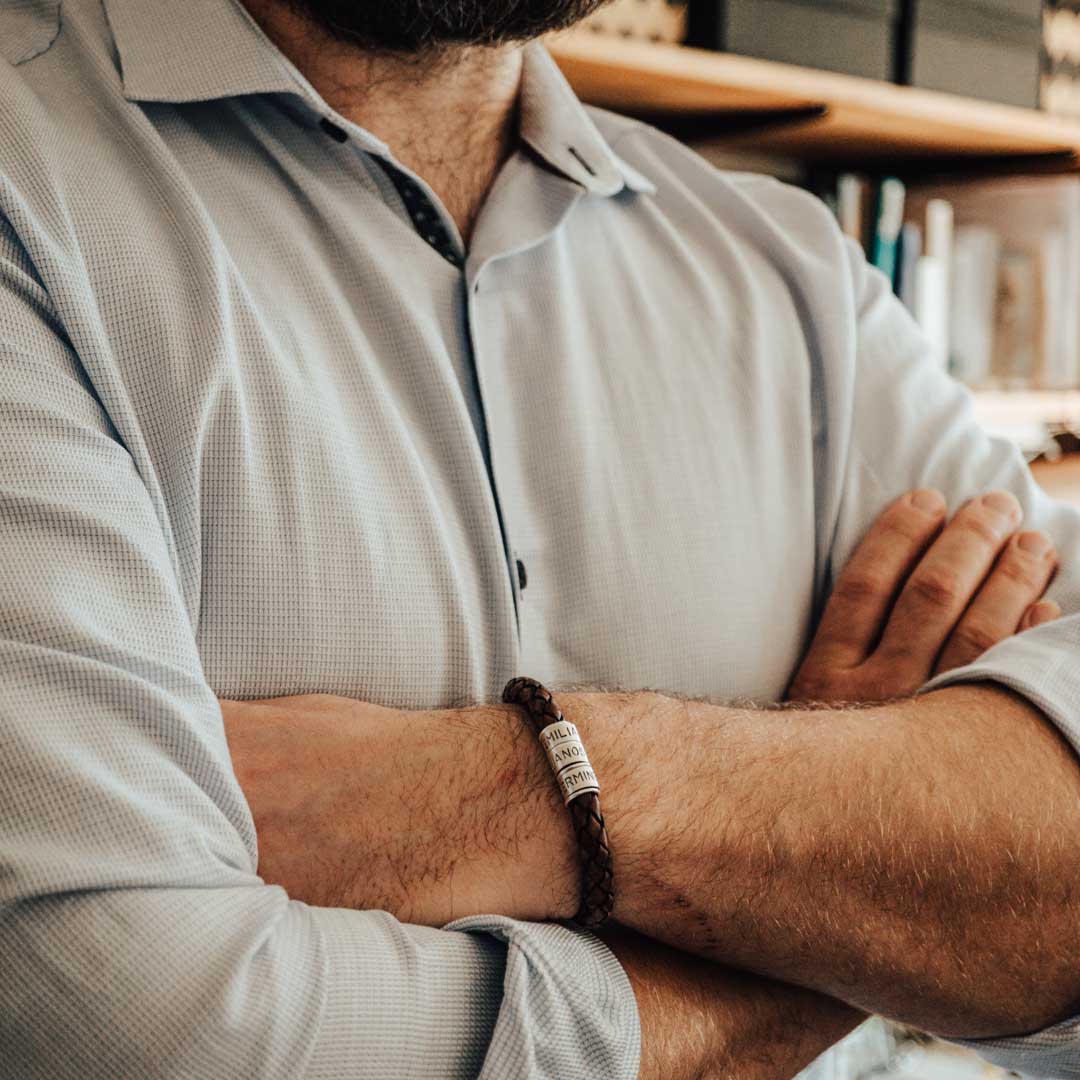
[558,127]
[201,50]
[197,50]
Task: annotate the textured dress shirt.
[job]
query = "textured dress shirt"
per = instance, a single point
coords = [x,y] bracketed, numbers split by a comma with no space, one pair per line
[267,428]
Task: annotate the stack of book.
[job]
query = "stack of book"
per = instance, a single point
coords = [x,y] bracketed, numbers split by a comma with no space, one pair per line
[1061,57]
[990,270]
[855,37]
[979,48]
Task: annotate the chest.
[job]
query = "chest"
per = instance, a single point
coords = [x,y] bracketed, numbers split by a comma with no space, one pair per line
[404,481]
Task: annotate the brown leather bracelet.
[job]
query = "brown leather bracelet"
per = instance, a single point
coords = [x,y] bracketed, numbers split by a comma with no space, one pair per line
[581,792]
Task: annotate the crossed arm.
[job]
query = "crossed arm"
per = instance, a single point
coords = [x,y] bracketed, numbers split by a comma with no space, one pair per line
[912,858]
[704,1021]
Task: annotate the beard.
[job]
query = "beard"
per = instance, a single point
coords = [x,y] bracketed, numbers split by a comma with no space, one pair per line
[419,26]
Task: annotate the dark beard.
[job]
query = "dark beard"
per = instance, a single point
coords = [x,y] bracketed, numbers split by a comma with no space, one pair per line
[417,26]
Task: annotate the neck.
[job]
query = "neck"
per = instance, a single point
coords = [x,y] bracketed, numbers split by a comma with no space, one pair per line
[450,117]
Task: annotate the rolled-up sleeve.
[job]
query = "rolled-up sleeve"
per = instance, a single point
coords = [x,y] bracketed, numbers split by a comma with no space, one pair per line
[136,938]
[912,426]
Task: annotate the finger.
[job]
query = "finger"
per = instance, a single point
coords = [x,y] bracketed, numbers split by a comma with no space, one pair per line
[1043,612]
[943,584]
[867,586]
[1017,581]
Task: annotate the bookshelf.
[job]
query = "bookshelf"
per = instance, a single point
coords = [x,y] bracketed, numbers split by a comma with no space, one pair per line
[781,113]
[813,116]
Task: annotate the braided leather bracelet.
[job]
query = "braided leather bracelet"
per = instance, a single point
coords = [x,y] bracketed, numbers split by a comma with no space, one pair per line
[581,793]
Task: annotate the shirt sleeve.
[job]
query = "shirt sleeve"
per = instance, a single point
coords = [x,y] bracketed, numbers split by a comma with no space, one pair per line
[136,938]
[913,426]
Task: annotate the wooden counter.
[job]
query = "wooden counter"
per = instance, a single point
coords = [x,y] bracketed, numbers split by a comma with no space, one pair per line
[1060,478]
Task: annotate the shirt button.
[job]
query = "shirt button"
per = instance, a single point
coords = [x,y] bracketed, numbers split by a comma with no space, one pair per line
[522,579]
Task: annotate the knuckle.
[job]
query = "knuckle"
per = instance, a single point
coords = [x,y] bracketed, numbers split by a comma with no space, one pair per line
[1021,571]
[886,684]
[813,684]
[977,524]
[861,587]
[903,522]
[938,588]
[975,638]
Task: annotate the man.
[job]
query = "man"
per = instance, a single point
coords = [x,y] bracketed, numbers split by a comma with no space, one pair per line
[350,364]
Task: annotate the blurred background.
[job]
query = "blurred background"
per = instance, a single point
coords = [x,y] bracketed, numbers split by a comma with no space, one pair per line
[945,137]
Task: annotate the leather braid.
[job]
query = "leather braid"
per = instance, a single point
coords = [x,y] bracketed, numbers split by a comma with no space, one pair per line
[597,881]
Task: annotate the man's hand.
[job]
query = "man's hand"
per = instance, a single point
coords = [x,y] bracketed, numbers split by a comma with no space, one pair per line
[920,597]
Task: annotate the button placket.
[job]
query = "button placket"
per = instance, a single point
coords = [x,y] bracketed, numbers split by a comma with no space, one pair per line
[430,225]
[424,216]
[515,575]
[534,218]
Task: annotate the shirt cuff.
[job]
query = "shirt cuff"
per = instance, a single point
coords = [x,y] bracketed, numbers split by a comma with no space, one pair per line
[1053,1054]
[1043,665]
[402,1000]
[568,1009]
[486,997]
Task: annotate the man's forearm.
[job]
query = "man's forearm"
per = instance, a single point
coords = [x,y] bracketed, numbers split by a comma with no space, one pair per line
[701,1021]
[428,851]
[915,860]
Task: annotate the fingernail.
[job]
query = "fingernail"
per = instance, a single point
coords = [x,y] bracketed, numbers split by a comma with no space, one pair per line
[928,501]
[1004,507]
[1044,613]
[1034,543]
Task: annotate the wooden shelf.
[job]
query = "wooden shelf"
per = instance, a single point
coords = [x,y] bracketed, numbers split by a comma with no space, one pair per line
[1052,408]
[811,115]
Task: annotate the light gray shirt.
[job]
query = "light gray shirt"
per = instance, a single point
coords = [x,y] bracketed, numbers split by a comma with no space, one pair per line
[266,429]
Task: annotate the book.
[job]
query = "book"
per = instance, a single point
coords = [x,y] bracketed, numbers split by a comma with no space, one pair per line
[1014,278]
[932,279]
[889,221]
[910,251]
[851,198]
[976,259]
[932,306]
